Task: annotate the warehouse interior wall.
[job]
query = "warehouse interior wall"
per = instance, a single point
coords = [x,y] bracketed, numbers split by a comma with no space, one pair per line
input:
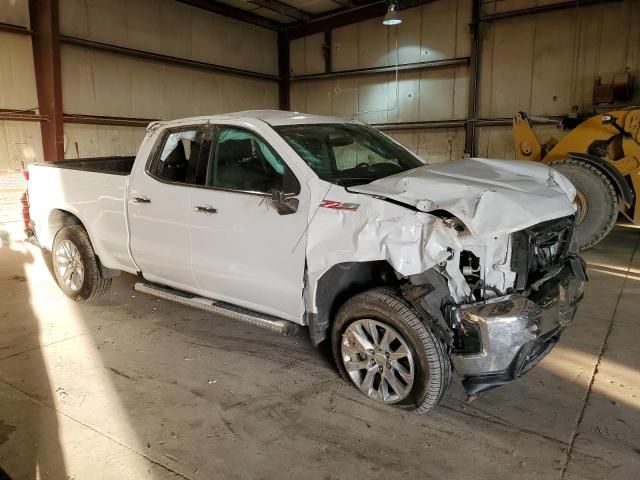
[543,63]
[20,141]
[546,64]
[98,82]
[104,83]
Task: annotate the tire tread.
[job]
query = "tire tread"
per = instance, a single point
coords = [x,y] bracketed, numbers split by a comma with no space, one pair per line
[612,215]
[438,363]
[98,285]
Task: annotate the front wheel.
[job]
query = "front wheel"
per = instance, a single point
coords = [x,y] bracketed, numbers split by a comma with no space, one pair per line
[381,345]
[75,266]
[596,201]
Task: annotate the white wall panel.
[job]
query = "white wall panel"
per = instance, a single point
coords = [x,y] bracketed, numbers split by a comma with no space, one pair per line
[171,28]
[307,55]
[404,97]
[439,94]
[507,54]
[17,76]
[100,140]
[461,93]
[439,30]
[344,48]
[407,38]
[297,57]
[551,84]
[15,12]
[547,63]
[373,44]
[434,145]
[103,83]
[463,29]
[147,94]
[374,98]
[435,31]
[20,143]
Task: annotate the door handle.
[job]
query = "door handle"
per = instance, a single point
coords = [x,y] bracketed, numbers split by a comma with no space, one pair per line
[141,200]
[205,209]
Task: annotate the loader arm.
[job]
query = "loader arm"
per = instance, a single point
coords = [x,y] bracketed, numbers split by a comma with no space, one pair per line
[626,160]
[527,145]
[601,157]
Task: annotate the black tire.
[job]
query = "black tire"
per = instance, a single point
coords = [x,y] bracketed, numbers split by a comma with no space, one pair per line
[596,197]
[432,364]
[93,284]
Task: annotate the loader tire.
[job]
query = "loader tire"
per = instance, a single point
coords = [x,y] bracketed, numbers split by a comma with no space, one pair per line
[596,200]
[417,371]
[75,265]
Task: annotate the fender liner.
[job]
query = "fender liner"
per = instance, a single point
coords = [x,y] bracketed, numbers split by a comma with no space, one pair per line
[341,282]
[622,186]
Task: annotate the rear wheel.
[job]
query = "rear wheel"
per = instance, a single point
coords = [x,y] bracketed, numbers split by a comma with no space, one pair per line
[382,346]
[596,201]
[75,266]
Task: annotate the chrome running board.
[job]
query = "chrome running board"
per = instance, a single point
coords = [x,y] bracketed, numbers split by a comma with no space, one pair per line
[278,325]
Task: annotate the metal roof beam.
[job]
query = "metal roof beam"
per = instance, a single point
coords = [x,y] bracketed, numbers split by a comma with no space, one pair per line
[341,18]
[236,13]
[283,9]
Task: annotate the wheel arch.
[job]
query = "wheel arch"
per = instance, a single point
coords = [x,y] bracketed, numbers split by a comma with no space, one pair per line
[622,187]
[59,219]
[339,283]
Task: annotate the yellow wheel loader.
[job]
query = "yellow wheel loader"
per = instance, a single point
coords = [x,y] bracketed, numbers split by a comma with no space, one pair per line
[601,157]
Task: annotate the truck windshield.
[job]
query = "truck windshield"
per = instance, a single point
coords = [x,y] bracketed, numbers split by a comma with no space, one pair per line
[347,154]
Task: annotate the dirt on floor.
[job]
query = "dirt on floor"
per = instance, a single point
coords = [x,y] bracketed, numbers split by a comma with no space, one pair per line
[133,387]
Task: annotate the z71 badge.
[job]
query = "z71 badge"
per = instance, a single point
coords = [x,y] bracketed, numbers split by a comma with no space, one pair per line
[339,205]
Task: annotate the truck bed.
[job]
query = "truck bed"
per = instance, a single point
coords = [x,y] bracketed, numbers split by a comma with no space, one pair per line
[94,191]
[113,165]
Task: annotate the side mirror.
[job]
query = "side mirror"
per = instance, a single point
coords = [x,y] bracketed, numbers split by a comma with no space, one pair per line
[284,205]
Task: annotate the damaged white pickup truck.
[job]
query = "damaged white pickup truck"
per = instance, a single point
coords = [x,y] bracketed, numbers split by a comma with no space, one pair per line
[281,219]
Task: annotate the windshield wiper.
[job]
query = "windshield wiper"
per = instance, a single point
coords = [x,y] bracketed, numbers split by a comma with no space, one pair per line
[347,182]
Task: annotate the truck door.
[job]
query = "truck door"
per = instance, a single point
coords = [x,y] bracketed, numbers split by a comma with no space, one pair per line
[159,205]
[244,250]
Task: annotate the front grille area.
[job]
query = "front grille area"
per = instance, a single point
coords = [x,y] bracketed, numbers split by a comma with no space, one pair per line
[539,249]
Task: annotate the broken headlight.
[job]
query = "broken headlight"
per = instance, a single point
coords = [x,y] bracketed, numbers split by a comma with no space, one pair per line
[467,338]
[472,272]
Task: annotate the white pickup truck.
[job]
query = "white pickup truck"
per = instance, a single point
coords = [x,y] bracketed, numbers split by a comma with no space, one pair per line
[282,219]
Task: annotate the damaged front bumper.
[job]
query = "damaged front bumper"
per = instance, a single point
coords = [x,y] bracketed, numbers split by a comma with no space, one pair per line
[504,337]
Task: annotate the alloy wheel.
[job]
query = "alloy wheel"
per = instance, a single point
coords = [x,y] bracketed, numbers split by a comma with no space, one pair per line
[69,265]
[378,360]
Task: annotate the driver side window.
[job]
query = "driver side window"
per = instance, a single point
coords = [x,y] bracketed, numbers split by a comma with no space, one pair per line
[243,161]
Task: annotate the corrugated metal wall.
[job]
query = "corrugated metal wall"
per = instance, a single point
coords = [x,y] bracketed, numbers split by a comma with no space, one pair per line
[544,64]
[20,141]
[434,31]
[96,82]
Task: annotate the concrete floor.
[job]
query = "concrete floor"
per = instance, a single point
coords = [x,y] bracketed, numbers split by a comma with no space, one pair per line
[131,387]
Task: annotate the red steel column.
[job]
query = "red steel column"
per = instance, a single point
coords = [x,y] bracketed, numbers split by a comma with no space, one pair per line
[46,59]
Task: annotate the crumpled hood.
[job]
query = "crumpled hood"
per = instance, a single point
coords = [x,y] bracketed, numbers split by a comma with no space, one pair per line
[488,196]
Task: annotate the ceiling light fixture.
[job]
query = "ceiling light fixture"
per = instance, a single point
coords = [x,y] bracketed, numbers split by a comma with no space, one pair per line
[392,17]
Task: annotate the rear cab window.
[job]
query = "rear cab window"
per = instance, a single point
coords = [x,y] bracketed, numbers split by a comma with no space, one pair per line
[182,151]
